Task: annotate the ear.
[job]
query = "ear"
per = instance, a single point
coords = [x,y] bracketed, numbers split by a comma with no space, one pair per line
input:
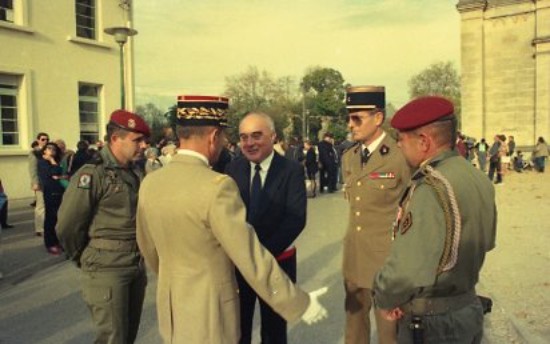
[378,118]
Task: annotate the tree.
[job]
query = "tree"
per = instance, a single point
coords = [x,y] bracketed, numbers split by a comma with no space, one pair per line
[256,90]
[155,119]
[323,91]
[441,79]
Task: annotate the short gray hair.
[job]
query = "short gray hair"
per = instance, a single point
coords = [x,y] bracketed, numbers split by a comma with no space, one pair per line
[264,116]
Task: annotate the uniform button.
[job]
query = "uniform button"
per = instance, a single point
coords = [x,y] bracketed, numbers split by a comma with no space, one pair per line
[357,198]
[358,228]
[357,213]
[358,183]
[381,186]
[274,292]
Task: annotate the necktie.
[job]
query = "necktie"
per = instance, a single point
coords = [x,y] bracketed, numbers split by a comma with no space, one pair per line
[365,156]
[255,191]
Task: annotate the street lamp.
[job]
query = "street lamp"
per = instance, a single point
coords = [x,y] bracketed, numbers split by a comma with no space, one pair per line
[121,35]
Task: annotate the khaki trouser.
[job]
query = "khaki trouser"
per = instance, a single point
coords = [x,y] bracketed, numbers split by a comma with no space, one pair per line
[115,300]
[39,212]
[358,329]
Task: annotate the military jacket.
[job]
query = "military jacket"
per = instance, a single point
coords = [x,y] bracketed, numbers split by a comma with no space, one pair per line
[373,191]
[100,202]
[446,224]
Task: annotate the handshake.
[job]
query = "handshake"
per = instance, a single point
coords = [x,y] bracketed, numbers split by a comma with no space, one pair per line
[315,311]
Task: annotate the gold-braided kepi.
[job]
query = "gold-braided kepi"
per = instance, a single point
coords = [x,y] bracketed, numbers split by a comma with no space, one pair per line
[202,111]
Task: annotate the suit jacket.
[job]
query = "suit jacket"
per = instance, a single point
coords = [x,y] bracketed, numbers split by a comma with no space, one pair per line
[327,155]
[192,232]
[282,212]
[373,192]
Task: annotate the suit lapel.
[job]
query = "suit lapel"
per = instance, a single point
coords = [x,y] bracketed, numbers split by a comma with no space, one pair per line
[243,181]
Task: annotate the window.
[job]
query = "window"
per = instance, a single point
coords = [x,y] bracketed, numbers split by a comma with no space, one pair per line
[9,131]
[88,108]
[85,19]
[6,10]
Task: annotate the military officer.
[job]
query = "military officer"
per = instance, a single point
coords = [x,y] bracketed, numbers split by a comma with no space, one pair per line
[375,175]
[192,230]
[445,225]
[97,228]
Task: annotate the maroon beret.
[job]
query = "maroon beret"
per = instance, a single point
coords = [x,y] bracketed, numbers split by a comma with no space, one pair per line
[129,121]
[422,111]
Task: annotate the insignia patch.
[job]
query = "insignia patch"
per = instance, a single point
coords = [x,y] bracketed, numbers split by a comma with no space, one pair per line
[384,150]
[84,181]
[131,123]
[382,175]
[407,223]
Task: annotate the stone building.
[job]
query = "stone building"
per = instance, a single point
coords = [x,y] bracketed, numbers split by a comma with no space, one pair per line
[59,74]
[506,68]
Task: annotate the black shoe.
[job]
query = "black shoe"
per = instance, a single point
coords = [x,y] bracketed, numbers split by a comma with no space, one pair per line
[6,226]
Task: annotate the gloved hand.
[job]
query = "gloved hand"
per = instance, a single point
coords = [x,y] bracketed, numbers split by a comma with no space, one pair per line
[315,311]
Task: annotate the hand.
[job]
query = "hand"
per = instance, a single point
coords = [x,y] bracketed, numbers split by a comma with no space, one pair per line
[392,314]
[315,311]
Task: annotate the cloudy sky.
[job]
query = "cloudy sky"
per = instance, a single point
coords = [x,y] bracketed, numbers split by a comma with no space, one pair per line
[191,46]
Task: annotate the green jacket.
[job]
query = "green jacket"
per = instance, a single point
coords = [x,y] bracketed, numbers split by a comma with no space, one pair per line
[100,202]
[447,224]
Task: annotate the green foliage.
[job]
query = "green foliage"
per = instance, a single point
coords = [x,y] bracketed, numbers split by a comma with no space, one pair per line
[155,119]
[441,79]
[256,90]
[324,91]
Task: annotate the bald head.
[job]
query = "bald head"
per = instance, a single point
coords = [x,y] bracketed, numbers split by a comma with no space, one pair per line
[257,135]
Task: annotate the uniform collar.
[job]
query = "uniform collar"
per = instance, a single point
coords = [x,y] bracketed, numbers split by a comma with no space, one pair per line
[374,144]
[434,161]
[192,153]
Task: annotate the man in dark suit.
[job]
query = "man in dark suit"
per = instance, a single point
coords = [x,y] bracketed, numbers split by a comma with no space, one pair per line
[273,191]
[328,163]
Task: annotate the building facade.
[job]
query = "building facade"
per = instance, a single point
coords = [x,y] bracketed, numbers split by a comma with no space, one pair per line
[59,74]
[506,68]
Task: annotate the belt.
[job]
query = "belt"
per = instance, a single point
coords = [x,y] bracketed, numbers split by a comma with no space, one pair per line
[286,254]
[114,245]
[438,305]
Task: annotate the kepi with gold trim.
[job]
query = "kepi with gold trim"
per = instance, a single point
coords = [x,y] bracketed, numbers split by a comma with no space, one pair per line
[196,110]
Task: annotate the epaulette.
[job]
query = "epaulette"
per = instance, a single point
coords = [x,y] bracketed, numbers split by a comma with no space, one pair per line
[219,178]
[354,145]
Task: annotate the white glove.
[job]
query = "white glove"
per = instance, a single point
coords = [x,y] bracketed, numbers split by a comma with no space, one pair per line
[315,311]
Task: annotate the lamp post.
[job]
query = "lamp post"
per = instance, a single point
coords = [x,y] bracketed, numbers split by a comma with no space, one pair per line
[121,35]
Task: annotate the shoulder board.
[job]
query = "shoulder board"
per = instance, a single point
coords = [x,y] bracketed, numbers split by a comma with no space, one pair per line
[354,145]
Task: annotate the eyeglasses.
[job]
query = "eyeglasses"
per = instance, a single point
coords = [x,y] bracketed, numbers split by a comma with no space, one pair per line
[255,136]
[43,139]
[356,119]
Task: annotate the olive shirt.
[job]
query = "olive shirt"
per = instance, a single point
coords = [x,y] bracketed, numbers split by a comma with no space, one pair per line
[100,202]
[373,191]
[418,265]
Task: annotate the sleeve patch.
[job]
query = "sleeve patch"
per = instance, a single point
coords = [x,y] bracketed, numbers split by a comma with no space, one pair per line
[84,181]
[407,223]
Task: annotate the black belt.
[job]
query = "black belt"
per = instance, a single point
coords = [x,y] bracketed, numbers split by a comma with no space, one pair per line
[438,305]
[114,245]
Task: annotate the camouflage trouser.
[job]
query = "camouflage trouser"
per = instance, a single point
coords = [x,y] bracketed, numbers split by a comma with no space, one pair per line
[115,300]
[462,326]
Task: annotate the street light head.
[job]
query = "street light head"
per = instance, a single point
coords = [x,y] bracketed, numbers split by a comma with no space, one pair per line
[121,33]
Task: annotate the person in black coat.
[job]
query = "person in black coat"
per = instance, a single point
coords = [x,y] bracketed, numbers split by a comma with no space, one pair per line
[328,163]
[273,191]
[50,173]
[312,166]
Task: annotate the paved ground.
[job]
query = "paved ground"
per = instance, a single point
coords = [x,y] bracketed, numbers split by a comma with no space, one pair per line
[40,300]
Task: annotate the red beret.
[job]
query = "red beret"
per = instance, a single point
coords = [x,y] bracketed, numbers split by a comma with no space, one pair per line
[422,111]
[129,121]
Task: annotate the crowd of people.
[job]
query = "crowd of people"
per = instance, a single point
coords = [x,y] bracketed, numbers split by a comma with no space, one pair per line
[243,205]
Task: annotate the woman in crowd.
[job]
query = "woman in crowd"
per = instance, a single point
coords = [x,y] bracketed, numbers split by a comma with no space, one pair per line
[540,154]
[50,175]
[312,166]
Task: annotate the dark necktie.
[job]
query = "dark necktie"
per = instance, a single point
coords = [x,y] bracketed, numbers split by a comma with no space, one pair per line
[365,156]
[255,191]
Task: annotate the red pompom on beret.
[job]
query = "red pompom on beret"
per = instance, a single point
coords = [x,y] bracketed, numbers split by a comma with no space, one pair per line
[130,121]
[422,111]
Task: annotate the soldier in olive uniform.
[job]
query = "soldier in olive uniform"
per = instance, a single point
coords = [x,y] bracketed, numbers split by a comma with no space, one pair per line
[445,226]
[97,228]
[375,175]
